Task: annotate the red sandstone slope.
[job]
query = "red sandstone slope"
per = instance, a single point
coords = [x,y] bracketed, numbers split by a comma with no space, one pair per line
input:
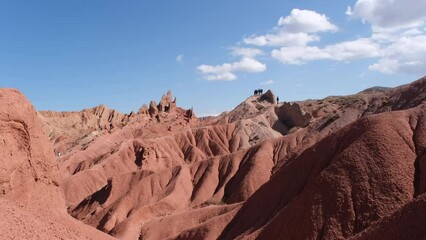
[185,164]
[342,184]
[29,173]
[406,223]
[319,168]
[31,205]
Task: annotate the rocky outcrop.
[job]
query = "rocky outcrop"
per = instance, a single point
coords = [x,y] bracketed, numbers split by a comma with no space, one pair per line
[252,107]
[337,167]
[153,110]
[189,114]
[268,96]
[342,184]
[64,129]
[31,205]
[28,173]
[143,110]
[292,115]
[166,104]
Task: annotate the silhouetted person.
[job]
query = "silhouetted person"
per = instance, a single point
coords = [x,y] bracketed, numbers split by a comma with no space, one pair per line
[278,99]
[255,92]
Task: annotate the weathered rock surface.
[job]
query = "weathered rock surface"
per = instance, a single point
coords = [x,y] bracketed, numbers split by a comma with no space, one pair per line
[31,205]
[406,223]
[162,170]
[143,109]
[342,184]
[66,128]
[28,173]
[153,110]
[334,168]
[292,115]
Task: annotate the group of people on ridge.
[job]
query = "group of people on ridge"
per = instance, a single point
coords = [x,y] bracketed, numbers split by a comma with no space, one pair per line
[260,91]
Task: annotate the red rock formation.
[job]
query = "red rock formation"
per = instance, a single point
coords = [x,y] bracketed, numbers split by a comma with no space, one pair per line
[342,184]
[31,205]
[166,104]
[143,109]
[153,110]
[292,115]
[406,223]
[66,128]
[29,173]
[339,167]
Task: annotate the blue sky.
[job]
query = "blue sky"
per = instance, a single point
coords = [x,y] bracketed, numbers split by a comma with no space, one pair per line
[70,55]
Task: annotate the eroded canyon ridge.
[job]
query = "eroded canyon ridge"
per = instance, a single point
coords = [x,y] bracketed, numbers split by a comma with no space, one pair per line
[336,168]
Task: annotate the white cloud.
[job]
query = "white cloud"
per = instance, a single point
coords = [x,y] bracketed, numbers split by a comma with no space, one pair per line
[384,37]
[350,50]
[413,31]
[349,11]
[298,28]
[249,65]
[306,21]
[267,82]
[299,54]
[246,52]
[245,65]
[227,76]
[397,41]
[387,66]
[179,58]
[406,55]
[344,51]
[226,70]
[390,14]
[281,39]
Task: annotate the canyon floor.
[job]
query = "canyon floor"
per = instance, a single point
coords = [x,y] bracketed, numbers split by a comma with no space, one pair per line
[335,168]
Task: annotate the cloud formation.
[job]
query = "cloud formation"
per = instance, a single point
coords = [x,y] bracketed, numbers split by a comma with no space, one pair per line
[298,28]
[246,52]
[390,14]
[269,82]
[344,51]
[226,71]
[399,26]
[406,55]
[179,58]
[281,39]
[306,21]
[397,42]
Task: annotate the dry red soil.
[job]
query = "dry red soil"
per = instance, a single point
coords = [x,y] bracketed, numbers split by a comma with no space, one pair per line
[336,168]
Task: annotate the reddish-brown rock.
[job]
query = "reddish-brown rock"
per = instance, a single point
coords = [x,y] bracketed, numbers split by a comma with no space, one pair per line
[28,173]
[334,168]
[341,185]
[143,109]
[31,205]
[153,110]
[406,223]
